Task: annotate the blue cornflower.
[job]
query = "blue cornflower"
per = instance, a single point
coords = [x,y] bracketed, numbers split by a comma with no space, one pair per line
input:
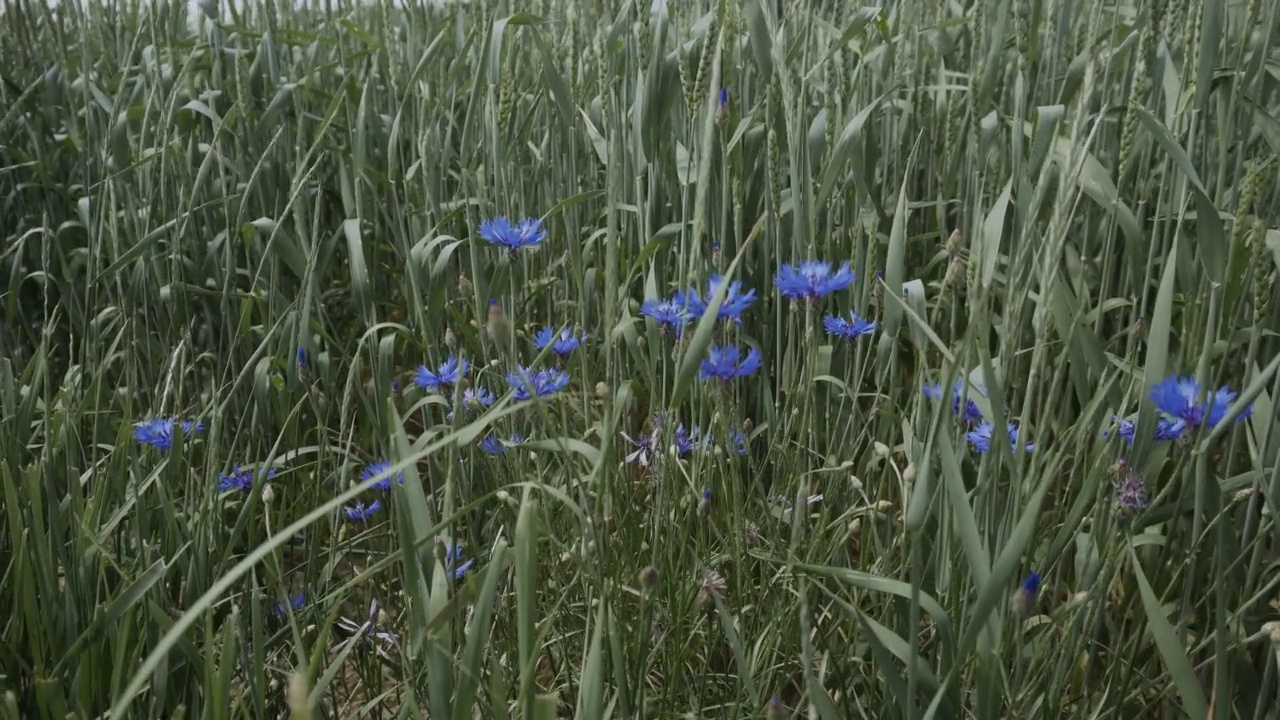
[359,512]
[1028,595]
[727,363]
[722,99]
[643,443]
[296,603]
[562,343]
[240,480]
[1166,429]
[451,371]
[492,445]
[972,413]
[158,433]
[452,556]
[380,467]
[812,279]
[980,437]
[1176,396]
[302,358]
[738,441]
[850,329]
[687,441]
[669,314]
[704,502]
[474,398]
[529,384]
[500,231]
[735,302]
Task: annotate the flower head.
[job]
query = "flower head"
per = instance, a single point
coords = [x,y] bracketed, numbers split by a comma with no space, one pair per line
[1176,396]
[158,433]
[476,398]
[240,480]
[499,231]
[1028,594]
[529,384]
[1166,429]
[295,602]
[450,373]
[711,587]
[972,413]
[738,441]
[492,445]
[671,315]
[360,512]
[980,437]
[812,279]
[687,441]
[562,343]
[736,301]
[302,358]
[704,502]
[852,328]
[727,363]
[381,467]
[1131,495]
[454,564]
[643,444]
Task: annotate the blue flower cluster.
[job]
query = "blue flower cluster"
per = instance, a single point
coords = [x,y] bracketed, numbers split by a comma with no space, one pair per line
[158,432]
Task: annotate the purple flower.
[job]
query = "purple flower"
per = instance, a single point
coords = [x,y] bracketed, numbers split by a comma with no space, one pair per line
[499,231]
[453,555]
[851,329]
[687,441]
[1176,396]
[1131,496]
[529,384]
[381,467]
[812,279]
[727,363]
[1166,429]
[240,480]
[562,343]
[980,437]
[158,433]
[451,371]
[643,444]
[738,441]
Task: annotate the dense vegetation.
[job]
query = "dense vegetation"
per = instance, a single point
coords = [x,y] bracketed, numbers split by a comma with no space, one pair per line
[702,359]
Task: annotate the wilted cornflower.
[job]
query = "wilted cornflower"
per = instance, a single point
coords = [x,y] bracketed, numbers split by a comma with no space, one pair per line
[812,279]
[980,437]
[241,480]
[643,454]
[671,315]
[1176,397]
[158,433]
[494,446]
[296,602]
[367,632]
[476,398]
[735,301]
[529,384]
[1028,595]
[1131,495]
[1166,429]
[450,373]
[499,231]
[711,587]
[727,363]
[359,512]
[850,329]
[562,343]
[972,413]
[751,534]
[379,468]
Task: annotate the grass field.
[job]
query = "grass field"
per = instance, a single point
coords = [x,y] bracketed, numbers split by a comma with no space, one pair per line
[680,360]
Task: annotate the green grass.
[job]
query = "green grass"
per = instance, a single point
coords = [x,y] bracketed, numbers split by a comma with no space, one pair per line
[1073,195]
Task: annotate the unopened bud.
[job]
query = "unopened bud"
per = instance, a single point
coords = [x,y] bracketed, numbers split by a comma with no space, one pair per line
[268,494]
[881,449]
[648,579]
[602,390]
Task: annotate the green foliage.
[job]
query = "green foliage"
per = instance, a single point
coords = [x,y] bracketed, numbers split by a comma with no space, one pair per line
[1067,201]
